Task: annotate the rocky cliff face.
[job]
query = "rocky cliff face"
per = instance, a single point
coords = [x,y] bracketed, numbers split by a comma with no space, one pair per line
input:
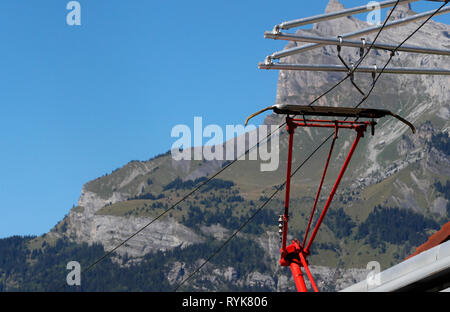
[391,160]
[84,224]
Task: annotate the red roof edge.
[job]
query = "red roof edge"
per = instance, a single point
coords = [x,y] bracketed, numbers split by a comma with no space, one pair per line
[437,238]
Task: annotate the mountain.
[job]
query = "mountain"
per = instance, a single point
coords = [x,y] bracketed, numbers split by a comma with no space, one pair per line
[395,192]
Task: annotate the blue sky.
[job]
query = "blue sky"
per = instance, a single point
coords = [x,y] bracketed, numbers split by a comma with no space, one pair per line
[80,101]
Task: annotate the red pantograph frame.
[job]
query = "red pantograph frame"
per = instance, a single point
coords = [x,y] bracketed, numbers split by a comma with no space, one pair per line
[295,254]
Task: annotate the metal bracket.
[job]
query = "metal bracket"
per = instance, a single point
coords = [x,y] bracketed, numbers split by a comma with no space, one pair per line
[352,79]
[268,60]
[280,227]
[361,50]
[276,30]
[352,66]
[374,73]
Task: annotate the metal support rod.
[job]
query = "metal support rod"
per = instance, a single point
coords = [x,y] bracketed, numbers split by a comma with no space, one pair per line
[290,129]
[360,131]
[354,43]
[362,69]
[358,33]
[338,14]
[320,186]
[308,272]
[298,276]
[295,255]
[351,70]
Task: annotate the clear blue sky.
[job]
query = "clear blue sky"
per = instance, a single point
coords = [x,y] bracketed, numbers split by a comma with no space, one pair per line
[78,102]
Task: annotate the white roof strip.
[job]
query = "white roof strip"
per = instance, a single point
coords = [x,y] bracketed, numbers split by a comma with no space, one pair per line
[415,269]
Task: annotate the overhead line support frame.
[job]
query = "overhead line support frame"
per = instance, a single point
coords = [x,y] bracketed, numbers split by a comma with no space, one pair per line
[295,255]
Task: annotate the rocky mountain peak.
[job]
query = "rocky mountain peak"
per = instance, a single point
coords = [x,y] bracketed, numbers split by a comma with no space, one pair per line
[333,6]
[346,24]
[401,11]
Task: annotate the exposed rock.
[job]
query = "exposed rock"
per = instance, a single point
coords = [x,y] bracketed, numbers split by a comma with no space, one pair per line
[176,274]
[261,280]
[439,206]
[215,230]
[284,284]
[88,227]
[229,274]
